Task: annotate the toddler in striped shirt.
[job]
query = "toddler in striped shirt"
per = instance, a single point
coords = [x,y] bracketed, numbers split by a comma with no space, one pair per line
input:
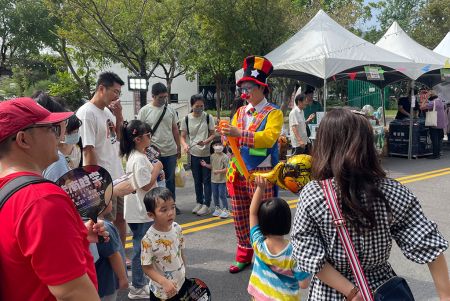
[275,275]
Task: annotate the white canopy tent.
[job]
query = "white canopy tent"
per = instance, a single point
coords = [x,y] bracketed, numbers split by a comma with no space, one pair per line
[444,46]
[443,89]
[397,41]
[323,48]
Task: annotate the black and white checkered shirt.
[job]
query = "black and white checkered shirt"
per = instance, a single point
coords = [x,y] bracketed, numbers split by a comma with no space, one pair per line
[315,239]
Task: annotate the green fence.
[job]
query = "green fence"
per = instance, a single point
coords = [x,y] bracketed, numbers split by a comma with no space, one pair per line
[362,93]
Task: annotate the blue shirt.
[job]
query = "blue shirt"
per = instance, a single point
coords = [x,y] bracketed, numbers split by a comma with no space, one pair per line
[57,169]
[108,282]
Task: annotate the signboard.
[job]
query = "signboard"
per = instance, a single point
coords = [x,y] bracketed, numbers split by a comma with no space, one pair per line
[374,73]
[445,74]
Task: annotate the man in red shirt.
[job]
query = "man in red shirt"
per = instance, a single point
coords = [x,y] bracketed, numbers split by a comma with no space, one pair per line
[44,253]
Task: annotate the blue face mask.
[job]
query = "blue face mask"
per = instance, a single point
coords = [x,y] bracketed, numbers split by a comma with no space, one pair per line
[72,138]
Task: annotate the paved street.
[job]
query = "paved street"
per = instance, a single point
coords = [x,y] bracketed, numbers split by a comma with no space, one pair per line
[211,242]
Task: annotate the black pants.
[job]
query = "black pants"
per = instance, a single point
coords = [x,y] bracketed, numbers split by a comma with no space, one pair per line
[300,150]
[181,293]
[436,136]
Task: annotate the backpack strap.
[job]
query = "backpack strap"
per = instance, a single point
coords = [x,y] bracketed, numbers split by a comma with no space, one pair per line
[186,119]
[18,183]
[187,124]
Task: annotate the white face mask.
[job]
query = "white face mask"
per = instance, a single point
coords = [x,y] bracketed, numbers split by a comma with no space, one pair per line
[218,148]
[72,138]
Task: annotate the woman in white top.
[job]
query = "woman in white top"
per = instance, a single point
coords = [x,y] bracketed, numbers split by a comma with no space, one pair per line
[135,139]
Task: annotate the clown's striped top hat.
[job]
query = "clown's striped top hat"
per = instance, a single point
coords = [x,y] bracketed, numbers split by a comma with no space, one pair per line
[256,69]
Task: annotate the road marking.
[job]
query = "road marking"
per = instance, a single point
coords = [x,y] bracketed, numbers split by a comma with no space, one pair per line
[401,179]
[425,177]
[216,221]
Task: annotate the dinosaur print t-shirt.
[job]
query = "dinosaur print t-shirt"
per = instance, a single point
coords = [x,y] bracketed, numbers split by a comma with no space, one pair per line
[163,251]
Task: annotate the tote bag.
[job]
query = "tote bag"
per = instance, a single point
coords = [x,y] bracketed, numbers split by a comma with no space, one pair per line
[431,116]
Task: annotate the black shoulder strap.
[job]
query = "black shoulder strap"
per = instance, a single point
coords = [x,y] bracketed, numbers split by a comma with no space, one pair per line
[16,184]
[159,120]
[187,122]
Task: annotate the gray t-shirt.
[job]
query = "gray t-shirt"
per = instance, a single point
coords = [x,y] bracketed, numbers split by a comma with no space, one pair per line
[198,131]
[163,137]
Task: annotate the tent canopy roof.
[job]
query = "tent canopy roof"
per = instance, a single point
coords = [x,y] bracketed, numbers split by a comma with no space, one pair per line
[444,46]
[323,48]
[397,41]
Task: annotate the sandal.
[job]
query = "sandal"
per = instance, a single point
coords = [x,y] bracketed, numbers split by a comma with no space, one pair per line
[237,267]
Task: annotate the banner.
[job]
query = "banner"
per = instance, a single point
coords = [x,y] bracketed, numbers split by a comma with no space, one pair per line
[374,73]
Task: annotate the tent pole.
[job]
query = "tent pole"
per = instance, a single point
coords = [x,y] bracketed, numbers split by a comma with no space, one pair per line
[411,117]
[383,106]
[325,94]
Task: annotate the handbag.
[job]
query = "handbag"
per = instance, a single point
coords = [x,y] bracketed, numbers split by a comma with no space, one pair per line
[431,116]
[396,288]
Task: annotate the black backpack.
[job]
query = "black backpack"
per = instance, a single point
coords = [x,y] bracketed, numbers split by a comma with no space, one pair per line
[186,119]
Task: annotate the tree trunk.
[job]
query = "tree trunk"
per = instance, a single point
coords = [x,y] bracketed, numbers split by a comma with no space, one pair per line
[143,93]
[218,98]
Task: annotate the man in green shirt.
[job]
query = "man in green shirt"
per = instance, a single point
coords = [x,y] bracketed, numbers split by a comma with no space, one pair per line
[313,106]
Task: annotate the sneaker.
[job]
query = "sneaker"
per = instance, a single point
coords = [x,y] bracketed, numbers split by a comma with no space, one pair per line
[204,210]
[217,212]
[139,293]
[196,208]
[224,214]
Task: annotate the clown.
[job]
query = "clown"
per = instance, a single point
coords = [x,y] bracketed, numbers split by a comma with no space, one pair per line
[257,127]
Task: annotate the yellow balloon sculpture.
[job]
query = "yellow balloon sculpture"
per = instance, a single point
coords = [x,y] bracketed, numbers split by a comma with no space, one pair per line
[292,175]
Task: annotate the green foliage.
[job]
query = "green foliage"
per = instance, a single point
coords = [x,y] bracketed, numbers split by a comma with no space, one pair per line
[433,23]
[25,27]
[67,88]
[405,12]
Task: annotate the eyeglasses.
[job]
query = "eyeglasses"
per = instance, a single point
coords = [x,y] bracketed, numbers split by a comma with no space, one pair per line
[247,88]
[56,128]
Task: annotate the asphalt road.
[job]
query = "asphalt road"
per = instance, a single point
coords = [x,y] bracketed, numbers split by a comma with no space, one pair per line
[210,242]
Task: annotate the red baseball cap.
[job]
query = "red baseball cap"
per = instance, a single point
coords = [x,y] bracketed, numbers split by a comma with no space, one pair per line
[19,113]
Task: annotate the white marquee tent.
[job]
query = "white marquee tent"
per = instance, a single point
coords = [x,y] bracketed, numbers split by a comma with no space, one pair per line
[444,46]
[323,49]
[397,41]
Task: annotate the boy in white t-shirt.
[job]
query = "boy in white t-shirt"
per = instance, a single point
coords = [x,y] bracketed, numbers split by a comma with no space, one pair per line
[135,139]
[162,248]
[297,126]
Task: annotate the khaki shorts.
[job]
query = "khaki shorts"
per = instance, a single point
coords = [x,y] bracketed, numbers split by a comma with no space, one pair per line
[117,208]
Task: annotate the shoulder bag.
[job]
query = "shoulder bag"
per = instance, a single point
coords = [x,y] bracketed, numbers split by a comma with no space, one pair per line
[431,116]
[396,288]
[155,127]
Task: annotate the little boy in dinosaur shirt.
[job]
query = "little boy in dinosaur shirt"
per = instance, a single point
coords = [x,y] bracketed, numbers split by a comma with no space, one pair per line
[162,248]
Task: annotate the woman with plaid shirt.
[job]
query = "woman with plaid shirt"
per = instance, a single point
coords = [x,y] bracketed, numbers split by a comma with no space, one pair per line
[377,210]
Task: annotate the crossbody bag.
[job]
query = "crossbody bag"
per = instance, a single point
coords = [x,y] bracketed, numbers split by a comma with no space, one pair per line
[155,127]
[396,288]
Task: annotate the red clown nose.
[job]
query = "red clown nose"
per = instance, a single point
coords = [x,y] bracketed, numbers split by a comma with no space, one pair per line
[245,96]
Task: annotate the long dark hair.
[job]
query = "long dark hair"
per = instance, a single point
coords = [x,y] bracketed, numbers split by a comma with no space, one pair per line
[345,150]
[131,130]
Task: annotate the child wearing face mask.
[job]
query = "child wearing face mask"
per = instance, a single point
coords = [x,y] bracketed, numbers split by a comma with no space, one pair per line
[218,166]
[70,147]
